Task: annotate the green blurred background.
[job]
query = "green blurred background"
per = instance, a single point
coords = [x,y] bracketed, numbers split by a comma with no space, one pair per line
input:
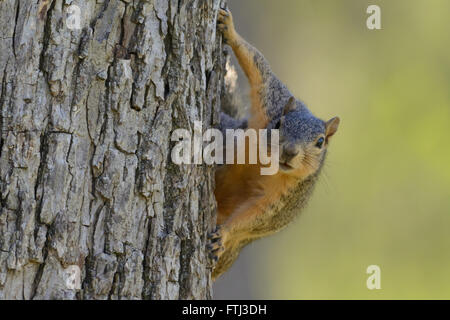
[384,196]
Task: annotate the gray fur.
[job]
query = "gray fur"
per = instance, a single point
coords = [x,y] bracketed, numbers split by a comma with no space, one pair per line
[301,127]
[228,122]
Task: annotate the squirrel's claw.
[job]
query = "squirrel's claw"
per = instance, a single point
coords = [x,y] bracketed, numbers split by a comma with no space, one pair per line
[214,252]
[216,234]
[215,246]
[225,25]
[224,17]
[224,12]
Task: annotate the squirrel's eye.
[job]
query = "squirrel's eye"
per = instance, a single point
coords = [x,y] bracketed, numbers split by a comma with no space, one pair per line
[319,142]
[277,126]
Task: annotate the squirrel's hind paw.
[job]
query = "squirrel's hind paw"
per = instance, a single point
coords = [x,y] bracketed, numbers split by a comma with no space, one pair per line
[215,246]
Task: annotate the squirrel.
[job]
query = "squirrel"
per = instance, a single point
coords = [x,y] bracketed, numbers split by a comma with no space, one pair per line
[250,205]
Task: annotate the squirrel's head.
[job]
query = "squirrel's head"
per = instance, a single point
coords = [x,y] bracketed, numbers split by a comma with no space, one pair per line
[303,139]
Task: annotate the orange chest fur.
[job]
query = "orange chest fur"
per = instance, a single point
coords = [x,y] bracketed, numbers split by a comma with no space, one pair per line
[239,185]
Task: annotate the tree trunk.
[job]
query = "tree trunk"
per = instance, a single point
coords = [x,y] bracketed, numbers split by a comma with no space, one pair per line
[86,179]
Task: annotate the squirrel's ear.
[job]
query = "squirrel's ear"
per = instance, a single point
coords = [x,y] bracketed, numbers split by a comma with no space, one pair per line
[290,106]
[331,126]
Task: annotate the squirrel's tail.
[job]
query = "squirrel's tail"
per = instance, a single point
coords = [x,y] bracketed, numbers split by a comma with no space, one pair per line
[231,100]
[227,122]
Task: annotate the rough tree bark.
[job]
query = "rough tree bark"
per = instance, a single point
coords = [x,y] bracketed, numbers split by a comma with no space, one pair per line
[85,171]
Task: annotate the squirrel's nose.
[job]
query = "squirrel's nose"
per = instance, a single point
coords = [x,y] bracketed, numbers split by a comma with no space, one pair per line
[289,152]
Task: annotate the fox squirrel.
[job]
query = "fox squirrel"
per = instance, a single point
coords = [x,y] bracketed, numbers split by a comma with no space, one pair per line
[251,205]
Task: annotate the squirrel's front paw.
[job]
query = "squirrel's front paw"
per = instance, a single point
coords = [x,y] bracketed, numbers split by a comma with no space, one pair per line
[225,25]
[215,245]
